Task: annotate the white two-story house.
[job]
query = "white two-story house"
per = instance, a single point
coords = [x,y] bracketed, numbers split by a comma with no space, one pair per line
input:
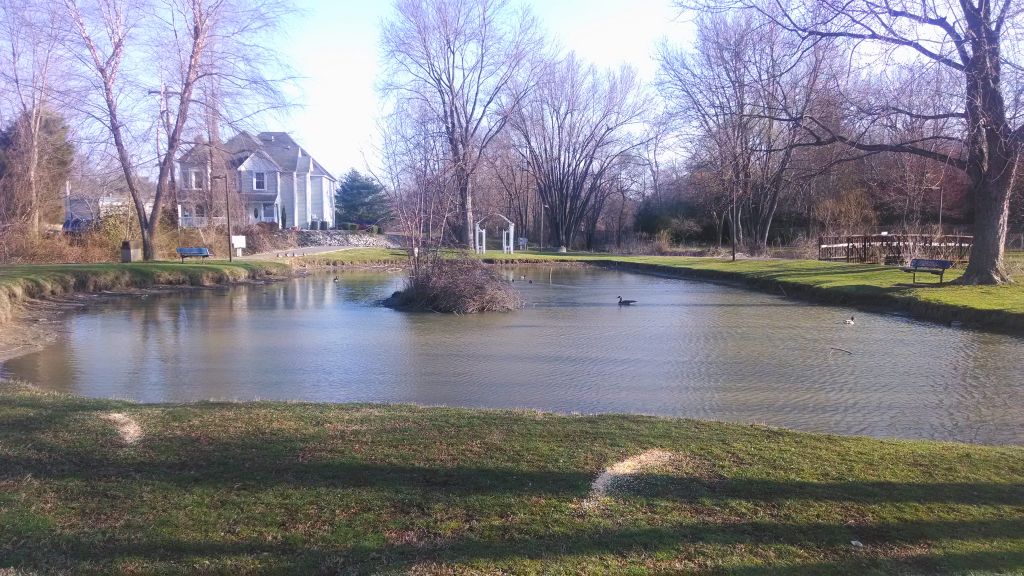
[274,178]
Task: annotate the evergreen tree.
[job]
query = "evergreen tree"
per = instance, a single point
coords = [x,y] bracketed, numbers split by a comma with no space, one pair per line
[33,173]
[361,199]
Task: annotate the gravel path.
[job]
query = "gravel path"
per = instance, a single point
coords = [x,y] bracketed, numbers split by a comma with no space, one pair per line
[296,252]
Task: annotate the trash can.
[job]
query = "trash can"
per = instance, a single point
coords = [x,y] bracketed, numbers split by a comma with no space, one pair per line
[131,251]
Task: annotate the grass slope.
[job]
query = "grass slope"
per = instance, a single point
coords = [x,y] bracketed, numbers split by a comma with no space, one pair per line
[272,488]
[356,257]
[23,282]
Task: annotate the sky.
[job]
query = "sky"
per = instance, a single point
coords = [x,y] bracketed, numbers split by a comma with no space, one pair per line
[333,46]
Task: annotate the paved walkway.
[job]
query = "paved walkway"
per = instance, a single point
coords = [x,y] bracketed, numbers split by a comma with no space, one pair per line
[290,252]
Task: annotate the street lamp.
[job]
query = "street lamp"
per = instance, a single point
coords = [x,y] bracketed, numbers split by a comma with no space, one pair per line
[227,204]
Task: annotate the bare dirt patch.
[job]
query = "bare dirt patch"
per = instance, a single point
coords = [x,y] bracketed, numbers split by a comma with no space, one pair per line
[655,472]
[127,428]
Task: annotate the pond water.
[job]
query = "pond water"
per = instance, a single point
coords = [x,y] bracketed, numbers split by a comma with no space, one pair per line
[686,349]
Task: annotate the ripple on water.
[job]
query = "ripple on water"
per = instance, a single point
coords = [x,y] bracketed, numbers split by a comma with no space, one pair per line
[686,349]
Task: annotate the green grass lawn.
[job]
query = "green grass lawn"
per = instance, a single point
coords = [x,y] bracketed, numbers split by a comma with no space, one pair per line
[276,488]
[356,257]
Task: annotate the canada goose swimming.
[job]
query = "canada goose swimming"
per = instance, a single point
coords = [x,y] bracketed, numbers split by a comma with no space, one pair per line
[848,322]
[626,302]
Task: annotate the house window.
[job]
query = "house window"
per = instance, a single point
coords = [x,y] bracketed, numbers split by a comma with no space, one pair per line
[196,179]
[259,180]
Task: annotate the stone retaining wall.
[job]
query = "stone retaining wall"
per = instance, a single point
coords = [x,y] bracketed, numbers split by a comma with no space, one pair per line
[347,238]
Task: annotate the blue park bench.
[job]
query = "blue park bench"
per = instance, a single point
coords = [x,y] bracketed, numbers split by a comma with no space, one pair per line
[937,267]
[193,253]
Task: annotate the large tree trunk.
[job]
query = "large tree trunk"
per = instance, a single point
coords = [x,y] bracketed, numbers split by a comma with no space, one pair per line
[992,155]
[991,209]
[35,126]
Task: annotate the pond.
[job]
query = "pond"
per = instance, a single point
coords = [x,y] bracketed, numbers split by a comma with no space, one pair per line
[687,349]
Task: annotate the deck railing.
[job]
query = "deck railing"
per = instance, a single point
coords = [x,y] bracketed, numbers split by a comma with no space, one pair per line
[893,248]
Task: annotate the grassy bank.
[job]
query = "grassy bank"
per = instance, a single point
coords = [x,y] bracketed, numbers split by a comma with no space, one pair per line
[866,285]
[307,488]
[357,257]
[856,284]
[20,283]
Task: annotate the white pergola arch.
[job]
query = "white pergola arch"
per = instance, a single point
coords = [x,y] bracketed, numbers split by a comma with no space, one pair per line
[508,236]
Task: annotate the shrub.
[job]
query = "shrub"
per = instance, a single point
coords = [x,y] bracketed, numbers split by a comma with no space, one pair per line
[265,237]
[462,286]
[352,226]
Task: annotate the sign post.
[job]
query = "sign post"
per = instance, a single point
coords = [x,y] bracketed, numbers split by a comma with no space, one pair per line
[238,243]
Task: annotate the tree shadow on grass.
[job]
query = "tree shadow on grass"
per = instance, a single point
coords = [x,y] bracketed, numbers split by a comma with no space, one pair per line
[249,464]
[828,544]
[246,467]
[43,412]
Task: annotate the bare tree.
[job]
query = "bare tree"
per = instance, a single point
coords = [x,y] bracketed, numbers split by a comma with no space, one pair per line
[571,129]
[973,40]
[464,60]
[30,63]
[743,70]
[417,179]
[104,34]
[511,182]
[196,46]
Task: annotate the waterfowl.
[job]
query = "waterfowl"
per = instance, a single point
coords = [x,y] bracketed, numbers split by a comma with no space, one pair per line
[848,322]
[335,278]
[626,302]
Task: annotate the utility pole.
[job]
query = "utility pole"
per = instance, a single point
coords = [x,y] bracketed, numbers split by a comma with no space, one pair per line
[227,204]
[165,119]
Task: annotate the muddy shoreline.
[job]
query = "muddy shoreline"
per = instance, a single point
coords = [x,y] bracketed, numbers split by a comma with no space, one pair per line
[38,322]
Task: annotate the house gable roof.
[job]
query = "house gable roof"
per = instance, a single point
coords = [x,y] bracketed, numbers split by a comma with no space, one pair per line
[319,170]
[281,147]
[277,147]
[258,160]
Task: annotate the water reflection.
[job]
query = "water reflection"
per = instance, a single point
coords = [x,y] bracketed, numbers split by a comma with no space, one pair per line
[688,349]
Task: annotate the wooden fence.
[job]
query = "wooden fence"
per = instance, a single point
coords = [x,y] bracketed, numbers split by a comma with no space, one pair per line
[893,248]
